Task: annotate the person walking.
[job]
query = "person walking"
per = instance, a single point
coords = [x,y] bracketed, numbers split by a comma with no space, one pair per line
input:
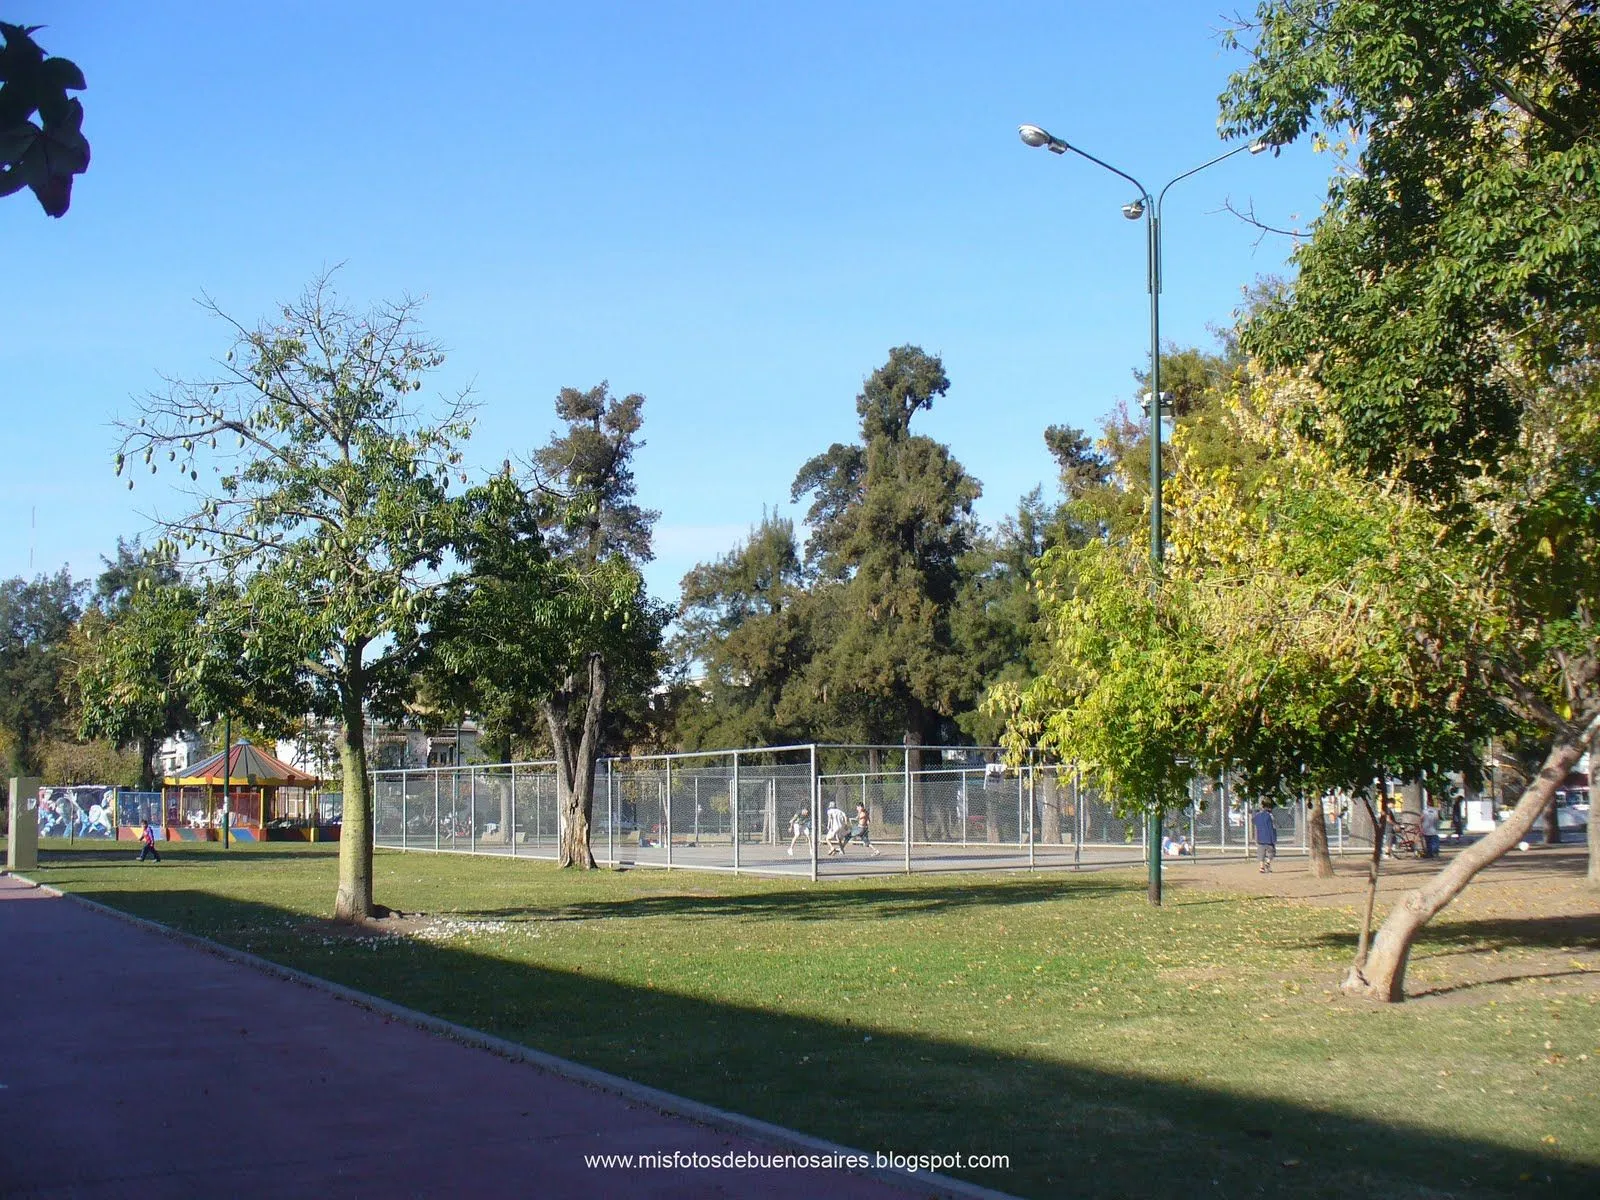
[1266,836]
[800,827]
[1430,830]
[148,837]
[863,832]
[837,832]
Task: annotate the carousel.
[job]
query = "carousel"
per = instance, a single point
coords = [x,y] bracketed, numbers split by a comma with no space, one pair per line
[267,799]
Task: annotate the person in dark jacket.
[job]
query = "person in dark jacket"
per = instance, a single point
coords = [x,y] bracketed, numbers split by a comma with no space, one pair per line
[1266,836]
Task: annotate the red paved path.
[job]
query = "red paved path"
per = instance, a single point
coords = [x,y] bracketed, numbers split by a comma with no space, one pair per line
[127,1072]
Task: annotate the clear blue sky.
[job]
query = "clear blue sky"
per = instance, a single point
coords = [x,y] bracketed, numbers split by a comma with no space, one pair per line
[735,209]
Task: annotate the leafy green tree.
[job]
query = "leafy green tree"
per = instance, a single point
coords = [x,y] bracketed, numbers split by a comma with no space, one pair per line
[329,512]
[1282,645]
[36,621]
[42,157]
[590,470]
[130,679]
[1446,303]
[551,620]
[1463,235]
[525,636]
[890,518]
[743,632]
[134,569]
[598,533]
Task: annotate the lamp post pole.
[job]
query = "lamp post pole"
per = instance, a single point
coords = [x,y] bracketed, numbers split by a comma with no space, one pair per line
[1150,210]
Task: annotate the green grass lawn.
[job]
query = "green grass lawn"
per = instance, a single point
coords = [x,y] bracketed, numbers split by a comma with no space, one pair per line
[1110,1049]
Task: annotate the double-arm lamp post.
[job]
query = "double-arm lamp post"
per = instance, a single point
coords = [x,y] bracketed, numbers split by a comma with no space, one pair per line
[1150,209]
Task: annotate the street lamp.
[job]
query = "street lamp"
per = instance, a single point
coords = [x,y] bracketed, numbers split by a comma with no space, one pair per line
[1150,209]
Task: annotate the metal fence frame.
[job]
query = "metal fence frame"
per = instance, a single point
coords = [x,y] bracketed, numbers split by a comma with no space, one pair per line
[740,811]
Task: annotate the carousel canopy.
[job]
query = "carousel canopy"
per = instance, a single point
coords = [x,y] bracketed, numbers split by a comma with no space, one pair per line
[247,765]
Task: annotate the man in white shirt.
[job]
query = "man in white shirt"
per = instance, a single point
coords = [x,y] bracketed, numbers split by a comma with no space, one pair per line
[837,832]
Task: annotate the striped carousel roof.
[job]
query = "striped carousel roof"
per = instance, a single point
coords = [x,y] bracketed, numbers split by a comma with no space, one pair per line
[247,765]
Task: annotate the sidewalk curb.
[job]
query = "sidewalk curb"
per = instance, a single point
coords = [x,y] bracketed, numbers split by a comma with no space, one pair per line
[921,1183]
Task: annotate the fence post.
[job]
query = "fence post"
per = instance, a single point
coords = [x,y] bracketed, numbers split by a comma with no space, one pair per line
[667,818]
[1033,804]
[815,804]
[905,800]
[1019,806]
[966,809]
[611,816]
[733,811]
[472,810]
[513,810]
[1077,808]
[435,810]
[1224,809]
[403,821]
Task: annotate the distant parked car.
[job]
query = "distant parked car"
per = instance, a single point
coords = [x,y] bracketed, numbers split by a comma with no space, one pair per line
[1572,813]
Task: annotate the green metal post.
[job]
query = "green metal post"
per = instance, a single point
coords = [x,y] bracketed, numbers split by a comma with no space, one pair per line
[1153,825]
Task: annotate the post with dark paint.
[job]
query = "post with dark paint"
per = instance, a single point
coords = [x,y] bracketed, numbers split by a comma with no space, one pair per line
[227,757]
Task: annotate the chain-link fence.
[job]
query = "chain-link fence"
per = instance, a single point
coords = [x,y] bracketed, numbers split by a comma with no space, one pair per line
[818,811]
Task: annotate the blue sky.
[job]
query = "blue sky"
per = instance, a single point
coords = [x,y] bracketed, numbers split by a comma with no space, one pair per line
[735,209]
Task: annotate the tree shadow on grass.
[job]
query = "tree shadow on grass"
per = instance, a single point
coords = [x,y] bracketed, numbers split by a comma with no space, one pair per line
[1067,1129]
[817,903]
[1574,931]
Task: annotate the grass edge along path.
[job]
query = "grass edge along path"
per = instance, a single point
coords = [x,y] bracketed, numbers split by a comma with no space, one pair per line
[752,996]
[913,1183]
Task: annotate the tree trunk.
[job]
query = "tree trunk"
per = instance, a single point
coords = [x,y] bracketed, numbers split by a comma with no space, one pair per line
[1383,977]
[1317,840]
[575,765]
[147,766]
[1552,822]
[919,824]
[353,901]
[1049,790]
[1380,826]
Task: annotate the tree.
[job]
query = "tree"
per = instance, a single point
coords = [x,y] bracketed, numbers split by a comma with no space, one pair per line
[743,626]
[551,616]
[1463,236]
[598,533]
[590,469]
[1294,640]
[42,157]
[129,654]
[134,569]
[130,672]
[1446,303]
[36,620]
[330,514]
[524,636]
[890,518]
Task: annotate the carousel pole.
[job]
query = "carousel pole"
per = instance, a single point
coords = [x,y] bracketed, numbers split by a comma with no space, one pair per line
[227,754]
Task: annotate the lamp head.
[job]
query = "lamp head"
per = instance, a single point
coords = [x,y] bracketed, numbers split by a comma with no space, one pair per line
[1134,210]
[1032,135]
[1258,147]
